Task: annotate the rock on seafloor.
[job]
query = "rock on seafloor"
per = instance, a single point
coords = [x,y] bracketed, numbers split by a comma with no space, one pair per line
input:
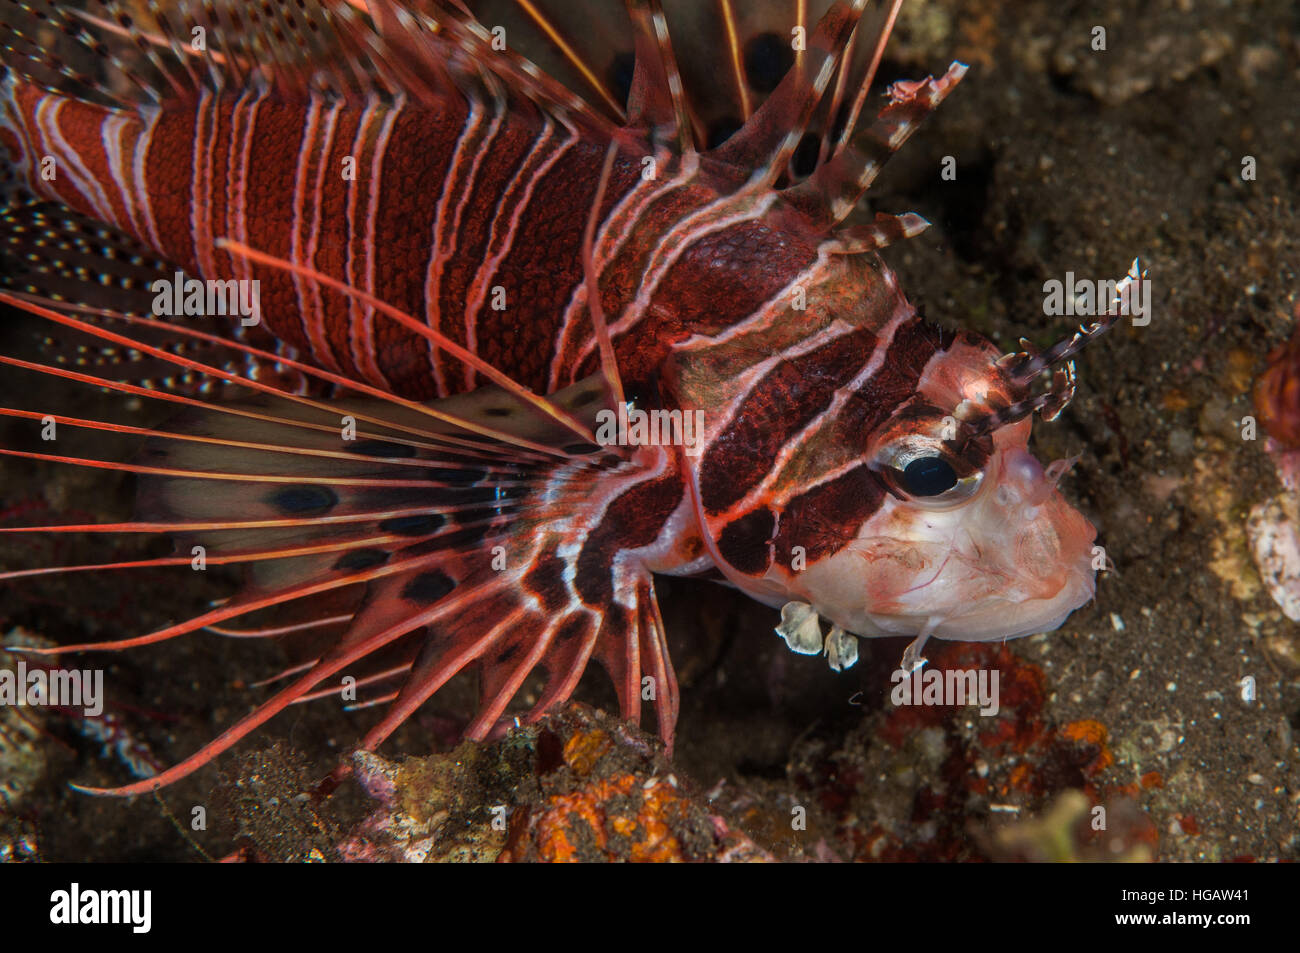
[24,761]
[1274,531]
[580,785]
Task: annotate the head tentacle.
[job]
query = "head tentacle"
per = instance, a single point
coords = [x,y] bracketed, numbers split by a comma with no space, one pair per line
[1020,369]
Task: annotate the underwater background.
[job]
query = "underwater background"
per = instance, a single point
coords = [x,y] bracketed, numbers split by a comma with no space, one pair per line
[1171,701]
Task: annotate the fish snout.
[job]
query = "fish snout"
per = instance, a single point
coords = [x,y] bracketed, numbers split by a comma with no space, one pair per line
[1050,541]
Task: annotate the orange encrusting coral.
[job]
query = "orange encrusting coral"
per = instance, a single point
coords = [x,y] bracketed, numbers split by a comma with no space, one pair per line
[1094,734]
[645,820]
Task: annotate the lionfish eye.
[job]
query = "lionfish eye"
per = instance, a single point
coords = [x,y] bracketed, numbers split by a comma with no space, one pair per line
[928,476]
[918,471]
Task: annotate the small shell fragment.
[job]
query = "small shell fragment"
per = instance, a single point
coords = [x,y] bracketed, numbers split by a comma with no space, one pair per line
[1275,544]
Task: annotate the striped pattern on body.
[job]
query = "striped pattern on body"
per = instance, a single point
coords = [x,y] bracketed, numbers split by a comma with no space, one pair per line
[445,206]
[487,210]
[783,461]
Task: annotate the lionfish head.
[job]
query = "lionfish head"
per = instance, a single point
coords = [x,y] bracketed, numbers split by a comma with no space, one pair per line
[970,538]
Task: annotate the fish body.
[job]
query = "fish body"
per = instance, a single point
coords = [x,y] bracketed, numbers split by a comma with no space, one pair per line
[486,271]
[448,204]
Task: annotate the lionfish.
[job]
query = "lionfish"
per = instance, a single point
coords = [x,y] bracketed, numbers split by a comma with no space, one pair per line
[479,233]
